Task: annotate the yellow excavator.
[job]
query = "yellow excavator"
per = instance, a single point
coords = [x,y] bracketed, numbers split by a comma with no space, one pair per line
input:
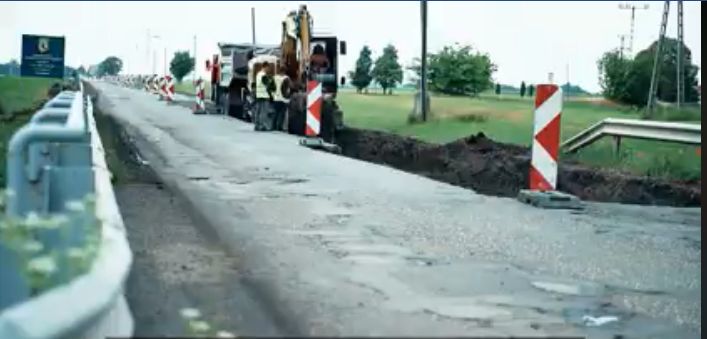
[240,62]
[296,57]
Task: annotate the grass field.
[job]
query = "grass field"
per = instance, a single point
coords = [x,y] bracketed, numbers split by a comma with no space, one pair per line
[508,118]
[17,95]
[186,87]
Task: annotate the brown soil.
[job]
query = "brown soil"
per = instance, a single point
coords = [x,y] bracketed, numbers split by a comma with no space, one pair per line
[498,169]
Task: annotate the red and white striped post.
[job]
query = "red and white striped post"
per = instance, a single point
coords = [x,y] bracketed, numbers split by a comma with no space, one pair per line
[199,106]
[546,138]
[314,108]
[163,88]
[169,87]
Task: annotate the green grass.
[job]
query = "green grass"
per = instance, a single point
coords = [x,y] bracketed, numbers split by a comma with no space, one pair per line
[17,95]
[186,87]
[508,118]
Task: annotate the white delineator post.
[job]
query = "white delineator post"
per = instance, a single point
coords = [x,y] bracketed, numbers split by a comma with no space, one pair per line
[314,108]
[546,138]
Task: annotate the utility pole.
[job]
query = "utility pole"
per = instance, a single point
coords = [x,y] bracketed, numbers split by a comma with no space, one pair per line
[633,9]
[193,72]
[423,61]
[680,98]
[567,91]
[147,50]
[252,23]
[154,54]
[622,46]
[657,61]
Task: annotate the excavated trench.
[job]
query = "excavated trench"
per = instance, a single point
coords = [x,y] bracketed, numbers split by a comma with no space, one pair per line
[499,169]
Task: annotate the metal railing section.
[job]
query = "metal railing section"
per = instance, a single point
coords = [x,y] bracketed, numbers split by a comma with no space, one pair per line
[684,133]
[55,160]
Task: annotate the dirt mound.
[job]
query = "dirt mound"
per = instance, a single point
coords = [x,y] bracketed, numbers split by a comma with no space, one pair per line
[499,169]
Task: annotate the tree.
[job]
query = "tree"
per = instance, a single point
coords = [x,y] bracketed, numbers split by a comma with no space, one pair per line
[522,89]
[614,71]
[181,65]
[81,70]
[498,89]
[361,76]
[387,72]
[531,90]
[13,67]
[628,81]
[110,66]
[457,70]
[667,79]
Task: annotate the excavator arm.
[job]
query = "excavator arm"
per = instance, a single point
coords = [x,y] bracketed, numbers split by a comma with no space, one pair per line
[296,36]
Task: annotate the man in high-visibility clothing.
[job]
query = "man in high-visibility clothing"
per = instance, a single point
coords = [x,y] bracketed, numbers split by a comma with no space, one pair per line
[280,99]
[264,88]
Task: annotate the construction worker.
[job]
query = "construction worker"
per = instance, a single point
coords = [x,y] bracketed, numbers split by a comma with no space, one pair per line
[319,62]
[264,88]
[215,69]
[280,99]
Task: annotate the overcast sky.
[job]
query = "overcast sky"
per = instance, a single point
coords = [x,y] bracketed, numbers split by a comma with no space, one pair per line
[527,40]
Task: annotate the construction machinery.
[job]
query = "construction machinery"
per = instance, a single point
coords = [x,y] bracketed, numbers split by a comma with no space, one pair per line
[297,46]
[240,62]
[232,90]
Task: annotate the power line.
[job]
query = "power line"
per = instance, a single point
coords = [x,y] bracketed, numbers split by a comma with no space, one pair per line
[657,60]
[633,9]
[680,95]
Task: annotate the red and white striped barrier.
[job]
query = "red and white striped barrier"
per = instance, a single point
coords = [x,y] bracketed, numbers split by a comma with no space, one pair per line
[546,138]
[199,105]
[314,108]
[163,88]
[169,88]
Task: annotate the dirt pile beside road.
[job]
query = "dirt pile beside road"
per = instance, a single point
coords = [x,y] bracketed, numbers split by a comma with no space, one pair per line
[499,169]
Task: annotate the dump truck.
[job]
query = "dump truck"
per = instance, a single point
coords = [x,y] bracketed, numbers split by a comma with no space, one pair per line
[232,92]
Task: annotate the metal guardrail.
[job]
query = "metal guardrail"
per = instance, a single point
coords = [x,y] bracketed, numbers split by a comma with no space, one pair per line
[54,160]
[684,133]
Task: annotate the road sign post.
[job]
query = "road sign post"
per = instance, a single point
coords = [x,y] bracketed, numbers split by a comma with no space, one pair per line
[42,56]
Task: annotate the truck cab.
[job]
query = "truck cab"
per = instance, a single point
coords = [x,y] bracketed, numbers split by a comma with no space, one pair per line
[233,83]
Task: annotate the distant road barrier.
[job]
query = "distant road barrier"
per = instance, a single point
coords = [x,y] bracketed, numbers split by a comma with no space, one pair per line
[684,133]
[55,162]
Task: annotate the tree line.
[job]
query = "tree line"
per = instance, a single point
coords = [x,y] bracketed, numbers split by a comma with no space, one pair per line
[455,70]
[627,80]
[181,64]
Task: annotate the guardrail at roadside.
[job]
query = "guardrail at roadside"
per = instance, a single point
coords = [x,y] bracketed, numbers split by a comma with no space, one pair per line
[684,133]
[55,163]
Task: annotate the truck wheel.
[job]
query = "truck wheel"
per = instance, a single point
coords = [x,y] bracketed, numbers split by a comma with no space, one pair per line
[297,116]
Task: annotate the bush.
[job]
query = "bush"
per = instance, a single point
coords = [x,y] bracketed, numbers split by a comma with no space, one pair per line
[667,167]
[472,117]
[54,90]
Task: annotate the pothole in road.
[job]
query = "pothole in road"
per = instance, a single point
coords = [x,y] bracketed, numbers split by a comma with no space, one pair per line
[580,289]
[293,181]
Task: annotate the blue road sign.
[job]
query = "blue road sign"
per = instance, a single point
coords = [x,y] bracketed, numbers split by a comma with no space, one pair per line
[42,56]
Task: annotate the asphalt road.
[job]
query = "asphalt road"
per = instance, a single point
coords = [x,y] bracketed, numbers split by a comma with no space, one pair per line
[334,246]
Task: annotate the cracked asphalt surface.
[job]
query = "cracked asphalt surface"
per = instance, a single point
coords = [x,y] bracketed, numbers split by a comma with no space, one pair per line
[327,245]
